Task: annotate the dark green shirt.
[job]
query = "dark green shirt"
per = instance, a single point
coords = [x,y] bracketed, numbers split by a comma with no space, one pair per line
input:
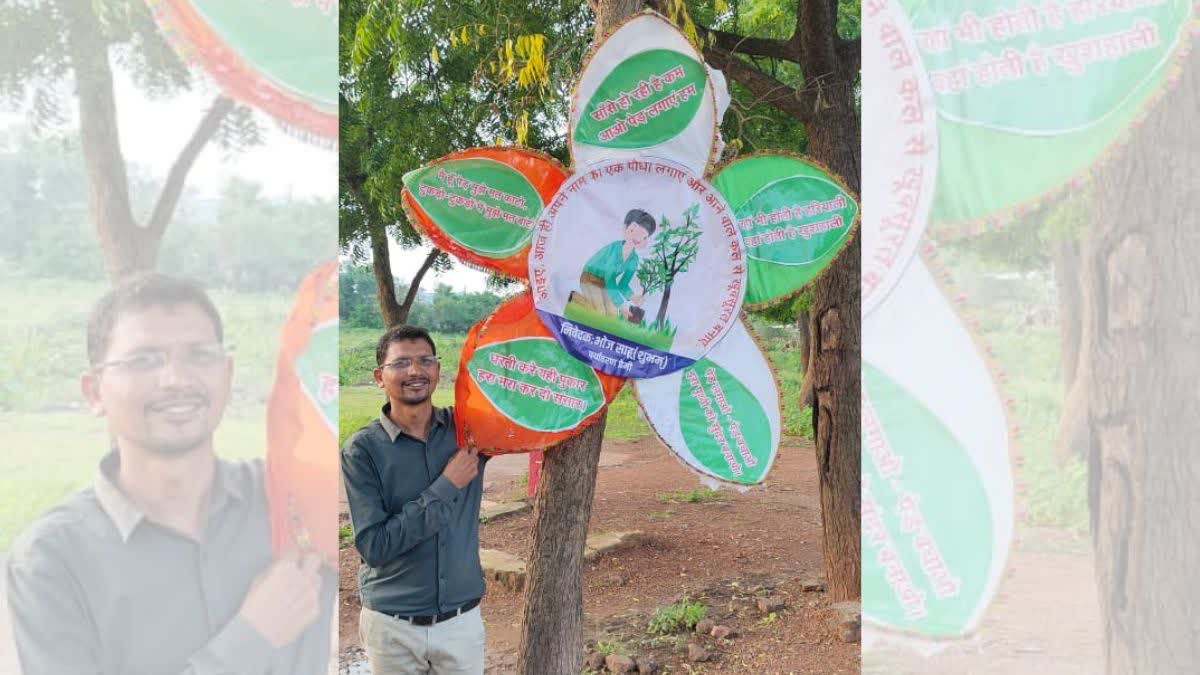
[95,586]
[417,534]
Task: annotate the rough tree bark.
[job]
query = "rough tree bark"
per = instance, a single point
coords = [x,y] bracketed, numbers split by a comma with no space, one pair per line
[826,105]
[1141,286]
[552,620]
[127,246]
[834,138]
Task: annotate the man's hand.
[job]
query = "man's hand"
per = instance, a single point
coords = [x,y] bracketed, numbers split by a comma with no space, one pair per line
[284,600]
[462,467]
[638,299]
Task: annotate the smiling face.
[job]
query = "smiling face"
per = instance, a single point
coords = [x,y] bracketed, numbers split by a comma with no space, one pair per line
[163,381]
[636,236]
[412,385]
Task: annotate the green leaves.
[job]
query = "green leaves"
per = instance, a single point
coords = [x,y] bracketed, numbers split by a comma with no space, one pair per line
[400,110]
[675,248]
[647,99]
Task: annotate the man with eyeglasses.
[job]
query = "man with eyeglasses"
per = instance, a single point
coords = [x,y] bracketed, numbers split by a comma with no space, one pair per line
[164,565]
[414,499]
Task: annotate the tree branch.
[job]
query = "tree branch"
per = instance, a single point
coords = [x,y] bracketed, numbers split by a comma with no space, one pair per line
[788,50]
[415,284]
[799,103]
[173,188]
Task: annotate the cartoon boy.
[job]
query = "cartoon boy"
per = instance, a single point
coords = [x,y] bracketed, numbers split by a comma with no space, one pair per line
[605,282]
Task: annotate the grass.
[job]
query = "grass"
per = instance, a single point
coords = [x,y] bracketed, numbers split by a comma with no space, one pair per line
[695,496]
[779,343]
[625,422]
[345,535]
[610,647]
[677,618]
[656,338]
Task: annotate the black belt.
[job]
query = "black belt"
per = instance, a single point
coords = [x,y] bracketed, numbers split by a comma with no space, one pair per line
[431,620]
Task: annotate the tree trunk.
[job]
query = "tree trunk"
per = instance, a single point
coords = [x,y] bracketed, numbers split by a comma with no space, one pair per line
[127,248]
[552,622]
[1140,287]
[108,185]
[1072,439]
[804,345]
[834,139]
[385,284]
[414,284]
[662,308]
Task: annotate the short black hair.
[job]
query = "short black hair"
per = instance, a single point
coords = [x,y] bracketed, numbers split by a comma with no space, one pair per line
[399,334]
[140,292]
[641,218]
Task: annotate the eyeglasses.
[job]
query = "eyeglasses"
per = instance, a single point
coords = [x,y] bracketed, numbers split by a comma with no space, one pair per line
[148,361]
[425,362]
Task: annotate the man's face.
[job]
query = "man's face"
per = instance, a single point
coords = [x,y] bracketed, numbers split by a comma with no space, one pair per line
[404,377]
[636,235]
[164,382]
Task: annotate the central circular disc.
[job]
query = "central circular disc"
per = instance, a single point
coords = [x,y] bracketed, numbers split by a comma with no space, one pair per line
[637,267]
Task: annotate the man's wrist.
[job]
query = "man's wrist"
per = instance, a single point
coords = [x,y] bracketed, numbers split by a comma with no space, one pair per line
[444,489]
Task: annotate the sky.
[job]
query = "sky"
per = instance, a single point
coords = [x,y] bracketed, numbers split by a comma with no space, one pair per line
[461,278]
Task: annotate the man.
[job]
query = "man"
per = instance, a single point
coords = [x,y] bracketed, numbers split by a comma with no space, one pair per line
[164,565]
[414,504]
[605,284]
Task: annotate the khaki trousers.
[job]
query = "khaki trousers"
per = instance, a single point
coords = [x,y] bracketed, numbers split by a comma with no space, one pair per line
[396,647]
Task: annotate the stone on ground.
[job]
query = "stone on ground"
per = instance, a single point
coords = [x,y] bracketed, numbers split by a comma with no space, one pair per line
[619,663]
[722,632]
[492,511]
[846,621]
[770,604]
[600,544]
[503,568]
[696,653]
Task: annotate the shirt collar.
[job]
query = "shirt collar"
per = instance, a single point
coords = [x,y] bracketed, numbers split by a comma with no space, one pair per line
[126,515]
[440,418]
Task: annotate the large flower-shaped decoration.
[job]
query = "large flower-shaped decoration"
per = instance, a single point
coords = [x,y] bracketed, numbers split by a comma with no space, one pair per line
[279,56]
[639,262]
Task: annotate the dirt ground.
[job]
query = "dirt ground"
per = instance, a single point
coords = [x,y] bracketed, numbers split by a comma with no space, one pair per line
[725,552]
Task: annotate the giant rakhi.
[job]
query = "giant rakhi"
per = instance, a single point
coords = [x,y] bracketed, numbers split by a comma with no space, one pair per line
[279,56]
[639,262]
